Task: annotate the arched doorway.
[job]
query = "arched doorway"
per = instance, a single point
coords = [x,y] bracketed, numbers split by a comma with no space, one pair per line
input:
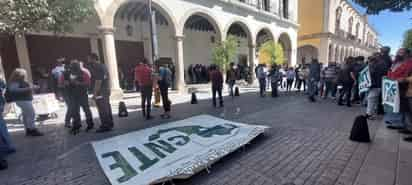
[336,54]
[133,41]
[306,53]
[263,36]
[285,42]
[330,53]
[246,52]
[201,34]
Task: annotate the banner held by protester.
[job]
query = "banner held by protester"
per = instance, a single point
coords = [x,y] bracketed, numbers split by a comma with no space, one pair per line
[364,80]
[175,150]
[390,95]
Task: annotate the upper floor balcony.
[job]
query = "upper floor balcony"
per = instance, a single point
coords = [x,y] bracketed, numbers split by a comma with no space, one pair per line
[342,34]
[280,8]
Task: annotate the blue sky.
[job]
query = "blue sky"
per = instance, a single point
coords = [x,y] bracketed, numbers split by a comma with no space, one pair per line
[391,26]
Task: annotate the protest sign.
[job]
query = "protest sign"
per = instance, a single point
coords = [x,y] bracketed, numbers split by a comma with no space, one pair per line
[171,151]
[390,95]
[364,80]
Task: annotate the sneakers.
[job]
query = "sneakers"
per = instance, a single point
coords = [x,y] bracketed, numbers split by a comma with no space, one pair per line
[3,164]
[33,133]
[103,130]
[404,131]
[408,139]
[370,117]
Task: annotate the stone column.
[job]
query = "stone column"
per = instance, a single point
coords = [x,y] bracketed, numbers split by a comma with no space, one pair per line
[252,61]
[23,55]
[94,44]
[109,52]
[180,67]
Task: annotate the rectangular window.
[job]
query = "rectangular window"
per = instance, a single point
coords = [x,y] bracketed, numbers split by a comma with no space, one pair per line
[286,9]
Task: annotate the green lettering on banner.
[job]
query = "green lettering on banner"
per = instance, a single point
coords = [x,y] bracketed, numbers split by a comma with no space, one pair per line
[146,161]
[165,146]
[121,163]
[183,140]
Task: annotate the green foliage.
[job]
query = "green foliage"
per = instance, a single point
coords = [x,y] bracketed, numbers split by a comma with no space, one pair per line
[224,53]
[272,53]
[407,39]
[58,16]
[376,6]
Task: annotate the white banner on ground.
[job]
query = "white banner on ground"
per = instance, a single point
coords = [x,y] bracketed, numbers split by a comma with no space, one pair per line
[175,150]
[364,80]
[390,94]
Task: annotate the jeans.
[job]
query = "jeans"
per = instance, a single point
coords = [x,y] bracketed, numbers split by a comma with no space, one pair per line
[28,113]
[146,95]
[105,111]
[313,87]
[373,100]
[289,83]
[164,92]
[81,101]
[262,85]
[68,116]
[4,133]
[408,123]
[231,84]
[346,93]
[330,88]
[274,89]
[217,90]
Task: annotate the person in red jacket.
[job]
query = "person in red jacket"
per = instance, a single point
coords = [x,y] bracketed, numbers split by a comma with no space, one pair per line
[144,77]
[216,78]
[401,69]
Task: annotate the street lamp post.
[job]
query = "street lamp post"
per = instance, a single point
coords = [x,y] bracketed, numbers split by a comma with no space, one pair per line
[153,32]
[153,36]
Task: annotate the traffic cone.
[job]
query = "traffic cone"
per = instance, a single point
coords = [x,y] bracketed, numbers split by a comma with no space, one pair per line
[123,110]
[237,93]
[194,98]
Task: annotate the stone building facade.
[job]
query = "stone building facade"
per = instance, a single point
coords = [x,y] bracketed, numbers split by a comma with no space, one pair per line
[332,30]
[187,30]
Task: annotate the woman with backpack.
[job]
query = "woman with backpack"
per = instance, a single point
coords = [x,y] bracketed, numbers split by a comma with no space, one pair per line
[21,92]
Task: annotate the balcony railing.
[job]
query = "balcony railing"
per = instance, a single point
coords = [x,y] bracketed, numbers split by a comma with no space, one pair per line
[265,6]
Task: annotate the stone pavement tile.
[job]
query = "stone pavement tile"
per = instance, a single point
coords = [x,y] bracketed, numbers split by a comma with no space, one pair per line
[404,176]
[300,146]
[381,161]
[301,172]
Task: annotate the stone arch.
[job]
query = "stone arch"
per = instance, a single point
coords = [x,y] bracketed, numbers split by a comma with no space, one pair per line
[265,30]
[109,17]
[245,28]
[286,43]
[204,14]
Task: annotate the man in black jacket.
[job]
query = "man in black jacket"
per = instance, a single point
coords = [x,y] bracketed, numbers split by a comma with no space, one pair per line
[377,72]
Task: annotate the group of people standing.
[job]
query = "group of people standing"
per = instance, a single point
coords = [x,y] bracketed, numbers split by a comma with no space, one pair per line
[72,79]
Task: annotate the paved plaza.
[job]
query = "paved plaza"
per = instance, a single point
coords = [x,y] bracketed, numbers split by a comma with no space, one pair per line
[307,144]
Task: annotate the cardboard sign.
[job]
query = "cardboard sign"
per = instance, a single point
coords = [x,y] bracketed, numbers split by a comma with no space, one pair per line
[390,95]
[364,80]
[171,151]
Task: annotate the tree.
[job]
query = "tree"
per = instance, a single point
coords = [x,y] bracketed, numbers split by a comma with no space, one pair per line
[271,53]
[224,53]
[57,16]
[407,39]
[376,6]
